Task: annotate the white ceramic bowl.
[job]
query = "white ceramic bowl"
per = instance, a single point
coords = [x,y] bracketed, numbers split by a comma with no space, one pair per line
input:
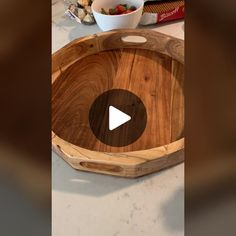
[109,22]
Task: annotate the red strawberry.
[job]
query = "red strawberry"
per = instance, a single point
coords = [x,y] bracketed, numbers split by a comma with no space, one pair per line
[127,11]
[113,11]
[132,8]
[120,9]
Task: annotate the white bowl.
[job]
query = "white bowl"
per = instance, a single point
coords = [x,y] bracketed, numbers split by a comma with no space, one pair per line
[109,22]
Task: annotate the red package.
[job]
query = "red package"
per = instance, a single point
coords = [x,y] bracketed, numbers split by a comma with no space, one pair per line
[158,12]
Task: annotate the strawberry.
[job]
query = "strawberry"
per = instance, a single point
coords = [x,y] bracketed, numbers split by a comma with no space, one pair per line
[113,11]
[127,11]
[120,9]
[132,8]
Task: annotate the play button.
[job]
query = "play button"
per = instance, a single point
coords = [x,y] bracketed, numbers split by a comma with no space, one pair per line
[117,117]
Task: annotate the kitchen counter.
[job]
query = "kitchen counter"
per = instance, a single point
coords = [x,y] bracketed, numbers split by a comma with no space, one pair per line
[89,204]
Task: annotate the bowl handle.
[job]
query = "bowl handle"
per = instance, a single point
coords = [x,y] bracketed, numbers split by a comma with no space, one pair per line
[143,39]
[133,39]
[101,167]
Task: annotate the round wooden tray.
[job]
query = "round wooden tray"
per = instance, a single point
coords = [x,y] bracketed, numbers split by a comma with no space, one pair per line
[149,65]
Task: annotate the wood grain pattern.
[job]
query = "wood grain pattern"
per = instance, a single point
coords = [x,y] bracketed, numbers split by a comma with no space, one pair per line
[152,70]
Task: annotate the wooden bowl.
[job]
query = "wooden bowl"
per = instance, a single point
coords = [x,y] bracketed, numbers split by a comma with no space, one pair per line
[150,66]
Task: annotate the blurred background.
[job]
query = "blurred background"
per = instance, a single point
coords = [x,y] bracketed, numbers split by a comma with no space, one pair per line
[210,151]
[25,149]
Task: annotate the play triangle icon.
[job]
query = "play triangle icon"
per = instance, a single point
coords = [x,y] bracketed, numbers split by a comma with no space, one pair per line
[117,118]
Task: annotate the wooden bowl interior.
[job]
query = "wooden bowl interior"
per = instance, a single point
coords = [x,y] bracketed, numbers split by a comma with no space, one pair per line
[156,78]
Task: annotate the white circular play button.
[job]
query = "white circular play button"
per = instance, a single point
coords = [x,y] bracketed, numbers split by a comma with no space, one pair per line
[117,117]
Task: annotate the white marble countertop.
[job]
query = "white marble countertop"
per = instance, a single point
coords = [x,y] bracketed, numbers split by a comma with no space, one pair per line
[89,204]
